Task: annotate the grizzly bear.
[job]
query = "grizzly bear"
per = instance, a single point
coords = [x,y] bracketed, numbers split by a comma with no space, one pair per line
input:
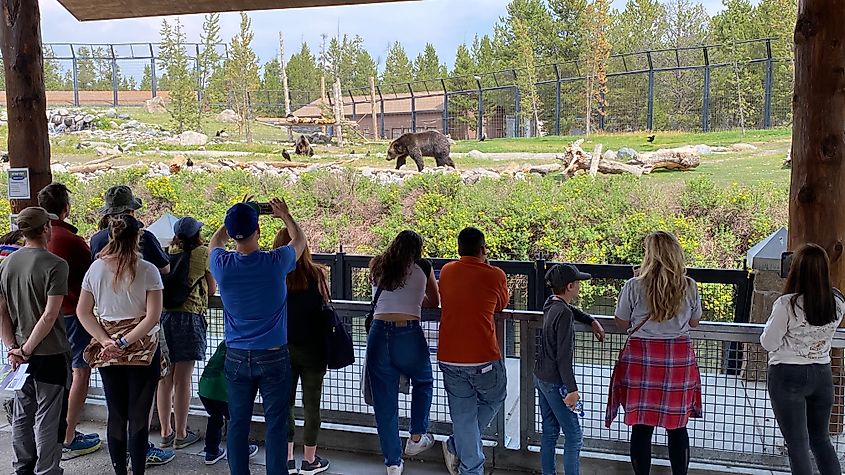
[430,143]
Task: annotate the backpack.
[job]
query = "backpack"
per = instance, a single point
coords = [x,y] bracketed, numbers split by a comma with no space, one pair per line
[177,288]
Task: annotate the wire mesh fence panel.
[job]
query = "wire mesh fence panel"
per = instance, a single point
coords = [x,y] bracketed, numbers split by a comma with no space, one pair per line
[678,99]
[462,118]
[783,86]
[626,103]
[573,108]
[501,118]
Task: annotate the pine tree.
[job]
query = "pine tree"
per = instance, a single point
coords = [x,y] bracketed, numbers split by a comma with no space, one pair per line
[86,74]
[428,66]
[54,79]
[242,74]
[526,78]
[303,77]
[183,105]
[209,61]
[397,66]
[462,107]
[568,24]
[537,20]
[147,79]
[272,91]
[678,105]
[596,51]
[641,26]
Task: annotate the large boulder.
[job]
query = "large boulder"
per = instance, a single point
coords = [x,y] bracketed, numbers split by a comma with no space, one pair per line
[626,154]
[475,155]
[155,105]
[191,138]
[743,147]
[111,113]
[228,115]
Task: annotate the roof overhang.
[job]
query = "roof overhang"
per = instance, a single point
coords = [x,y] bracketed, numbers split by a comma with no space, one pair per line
[85,10]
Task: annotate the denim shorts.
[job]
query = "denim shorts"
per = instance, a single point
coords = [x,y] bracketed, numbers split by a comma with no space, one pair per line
[184,335]
[79,340]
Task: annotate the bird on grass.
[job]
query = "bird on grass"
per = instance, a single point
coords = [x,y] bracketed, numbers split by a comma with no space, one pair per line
[189,163]
[286,155]
[650,138]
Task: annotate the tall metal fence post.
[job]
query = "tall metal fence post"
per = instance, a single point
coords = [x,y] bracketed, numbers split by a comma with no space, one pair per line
[199,79]
[338,266]
[114,84]
[537,285]
[557,100]
[603,112]
[480,127]
[705,103]
[413,109]
[445,108]
[381,116]
[153,75]
[767,103]
[650,117]
[520,127]
[75,74]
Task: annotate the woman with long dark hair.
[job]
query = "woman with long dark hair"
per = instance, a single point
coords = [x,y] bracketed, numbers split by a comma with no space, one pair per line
[798,338]
[657,308]
[403,284]
[307,294]
[127,292]
[186,290]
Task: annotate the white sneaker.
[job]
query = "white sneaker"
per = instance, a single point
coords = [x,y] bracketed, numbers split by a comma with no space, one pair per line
[396,469]
[415,448]
[452,462]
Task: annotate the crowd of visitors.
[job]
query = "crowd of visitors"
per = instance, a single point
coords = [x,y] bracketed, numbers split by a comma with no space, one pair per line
[135,311]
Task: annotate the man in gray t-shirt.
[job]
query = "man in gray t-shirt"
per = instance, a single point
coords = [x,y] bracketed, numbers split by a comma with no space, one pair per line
[33,283]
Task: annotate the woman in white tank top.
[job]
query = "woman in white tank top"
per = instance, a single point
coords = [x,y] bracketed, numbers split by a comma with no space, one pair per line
[403,284]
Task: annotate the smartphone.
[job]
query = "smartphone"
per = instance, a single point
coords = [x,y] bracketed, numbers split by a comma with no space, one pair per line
[264,208]
[785,264]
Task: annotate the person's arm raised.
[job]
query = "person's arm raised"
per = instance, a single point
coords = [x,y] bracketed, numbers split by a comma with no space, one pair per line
[219,239]
[297,237]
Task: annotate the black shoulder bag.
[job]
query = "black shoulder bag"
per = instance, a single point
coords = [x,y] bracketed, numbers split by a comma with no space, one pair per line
[340,351]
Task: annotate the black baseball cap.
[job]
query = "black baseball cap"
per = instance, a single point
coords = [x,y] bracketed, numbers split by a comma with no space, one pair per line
[561,275]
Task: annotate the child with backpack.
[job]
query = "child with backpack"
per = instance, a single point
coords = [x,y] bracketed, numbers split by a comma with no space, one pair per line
[212,391]
[554,372]
[185,300]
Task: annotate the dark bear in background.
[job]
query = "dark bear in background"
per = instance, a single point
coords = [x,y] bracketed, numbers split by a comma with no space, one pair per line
[303,146]
[430,143]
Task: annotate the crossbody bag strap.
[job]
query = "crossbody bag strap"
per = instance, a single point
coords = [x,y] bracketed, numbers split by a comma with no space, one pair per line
[375,300]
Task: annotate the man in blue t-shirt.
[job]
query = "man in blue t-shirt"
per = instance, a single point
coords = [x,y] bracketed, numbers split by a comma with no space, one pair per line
[253,288]
[120,200]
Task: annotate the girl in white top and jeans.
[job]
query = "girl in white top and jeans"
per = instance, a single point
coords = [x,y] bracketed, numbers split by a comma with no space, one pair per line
[798,338]
[127,292]
[402,284]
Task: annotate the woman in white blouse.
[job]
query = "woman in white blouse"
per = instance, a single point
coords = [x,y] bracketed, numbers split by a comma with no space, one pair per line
[798,338]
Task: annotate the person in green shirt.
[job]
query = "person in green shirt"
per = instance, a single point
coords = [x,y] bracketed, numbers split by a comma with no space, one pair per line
[212,391]
[184,325]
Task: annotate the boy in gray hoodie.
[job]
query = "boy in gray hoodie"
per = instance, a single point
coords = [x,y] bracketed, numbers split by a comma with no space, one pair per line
[554,375]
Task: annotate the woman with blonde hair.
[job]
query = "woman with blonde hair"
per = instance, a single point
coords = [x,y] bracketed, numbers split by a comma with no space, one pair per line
[798,337]
[656,380]
[127,292]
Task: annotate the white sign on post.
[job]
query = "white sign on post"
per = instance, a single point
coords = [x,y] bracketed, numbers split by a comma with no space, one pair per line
[19,184]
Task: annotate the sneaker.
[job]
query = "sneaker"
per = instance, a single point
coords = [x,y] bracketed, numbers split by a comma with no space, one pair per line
[415,448]
[253,450]
[292,467]
[92,435]
[190,439]
[452,462]
[167,442]
[396,469]
[80,446]
[211,459]
[311,468]
[157,456]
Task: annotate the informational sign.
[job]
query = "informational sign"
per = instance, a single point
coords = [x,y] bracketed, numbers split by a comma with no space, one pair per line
[19,184]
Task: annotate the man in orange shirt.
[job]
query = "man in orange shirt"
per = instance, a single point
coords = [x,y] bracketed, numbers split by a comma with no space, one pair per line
[471,292]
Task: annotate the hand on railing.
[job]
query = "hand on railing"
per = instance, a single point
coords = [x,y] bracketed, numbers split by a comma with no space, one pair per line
[598,331]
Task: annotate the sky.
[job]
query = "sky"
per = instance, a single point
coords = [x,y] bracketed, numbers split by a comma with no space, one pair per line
[444,23]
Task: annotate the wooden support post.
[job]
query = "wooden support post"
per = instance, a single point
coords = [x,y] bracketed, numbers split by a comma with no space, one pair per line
[323,98]
[23,62]
[285,89]
[817,187]
[373,107]
[339,116]
[594,161]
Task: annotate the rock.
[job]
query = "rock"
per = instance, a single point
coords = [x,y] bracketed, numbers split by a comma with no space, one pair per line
[58,168]
[626,154]
[113,125]
[155,105]
[703,149]
[105,152]
[476,155]
[56,119]
[191,138]
[609,155]
[78,118]
[320,138]
[743,147]
[228,115]
[132,124]
[67,121]
[111,113]
[123,116]
[88,119]
[63,112]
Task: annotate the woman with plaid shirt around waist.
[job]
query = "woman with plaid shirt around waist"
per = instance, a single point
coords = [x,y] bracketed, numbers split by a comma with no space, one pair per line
[657,381]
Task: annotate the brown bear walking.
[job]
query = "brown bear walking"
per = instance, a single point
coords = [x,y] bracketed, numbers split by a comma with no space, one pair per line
[430,143]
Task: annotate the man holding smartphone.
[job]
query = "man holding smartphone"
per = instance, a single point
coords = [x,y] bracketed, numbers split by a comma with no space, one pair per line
[253,288]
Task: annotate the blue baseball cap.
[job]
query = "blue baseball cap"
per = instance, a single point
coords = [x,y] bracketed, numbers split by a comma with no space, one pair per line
[241,221]
[187,227]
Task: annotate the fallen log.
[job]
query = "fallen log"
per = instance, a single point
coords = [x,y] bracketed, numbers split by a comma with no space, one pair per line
[90,168]
[671,159]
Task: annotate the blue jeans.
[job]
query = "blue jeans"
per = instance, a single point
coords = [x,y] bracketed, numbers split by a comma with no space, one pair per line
[393,350]
[247,372]
[476,394]
[557,417]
